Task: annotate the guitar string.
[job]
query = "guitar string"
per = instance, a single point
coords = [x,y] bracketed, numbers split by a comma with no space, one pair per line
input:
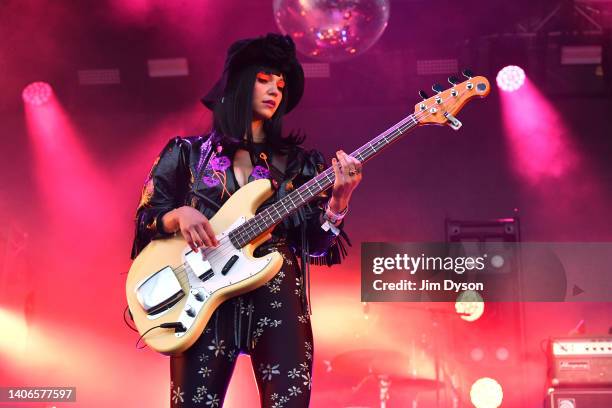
[326,176]
[255,227]
[250,229]
[411,121]
[249,226]
[309,190]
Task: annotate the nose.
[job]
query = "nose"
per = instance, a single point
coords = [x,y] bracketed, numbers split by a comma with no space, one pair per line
[273,90]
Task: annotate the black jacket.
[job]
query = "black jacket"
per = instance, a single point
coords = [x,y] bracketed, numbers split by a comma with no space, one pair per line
[180,176]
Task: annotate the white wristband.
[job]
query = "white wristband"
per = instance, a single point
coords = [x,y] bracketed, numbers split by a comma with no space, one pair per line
[332,216]
[329,226]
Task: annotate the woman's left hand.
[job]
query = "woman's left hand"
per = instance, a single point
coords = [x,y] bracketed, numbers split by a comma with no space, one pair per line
[347,170]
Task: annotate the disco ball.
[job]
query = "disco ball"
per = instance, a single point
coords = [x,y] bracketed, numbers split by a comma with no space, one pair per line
[332,30]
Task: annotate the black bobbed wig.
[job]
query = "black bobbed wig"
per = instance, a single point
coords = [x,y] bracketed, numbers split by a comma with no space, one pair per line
[233,115]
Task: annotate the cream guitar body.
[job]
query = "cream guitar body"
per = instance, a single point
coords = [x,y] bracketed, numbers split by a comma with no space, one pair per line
[170,284]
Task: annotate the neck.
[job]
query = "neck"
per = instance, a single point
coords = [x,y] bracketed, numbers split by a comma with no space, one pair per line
[257,129]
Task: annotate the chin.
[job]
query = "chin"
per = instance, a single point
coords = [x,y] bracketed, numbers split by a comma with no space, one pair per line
[265,115]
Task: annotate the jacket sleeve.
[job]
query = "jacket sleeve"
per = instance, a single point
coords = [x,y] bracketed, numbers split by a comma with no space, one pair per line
[164,190]
[323,247]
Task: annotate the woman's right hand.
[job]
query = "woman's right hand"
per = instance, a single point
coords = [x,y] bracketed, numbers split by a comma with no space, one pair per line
[192,224]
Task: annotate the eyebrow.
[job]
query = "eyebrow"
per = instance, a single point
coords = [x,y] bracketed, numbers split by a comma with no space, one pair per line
[268,76]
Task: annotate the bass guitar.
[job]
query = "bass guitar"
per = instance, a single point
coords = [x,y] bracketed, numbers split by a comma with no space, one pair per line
[172,291]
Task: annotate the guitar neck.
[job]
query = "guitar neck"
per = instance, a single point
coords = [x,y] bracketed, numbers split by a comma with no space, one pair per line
[284,207]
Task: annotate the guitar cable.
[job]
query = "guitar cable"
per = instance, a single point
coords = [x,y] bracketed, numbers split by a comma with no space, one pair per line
[127,309]
[177,326]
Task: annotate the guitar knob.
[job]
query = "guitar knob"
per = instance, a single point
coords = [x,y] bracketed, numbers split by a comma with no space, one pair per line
[423,95]
[468,73]
[190,311]
[453,80]
[437,88]
[199,295]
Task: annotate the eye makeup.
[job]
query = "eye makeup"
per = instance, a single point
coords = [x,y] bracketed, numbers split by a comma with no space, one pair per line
[264,76]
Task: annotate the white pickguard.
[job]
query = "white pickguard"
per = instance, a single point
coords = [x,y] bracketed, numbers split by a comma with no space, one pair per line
[216,258]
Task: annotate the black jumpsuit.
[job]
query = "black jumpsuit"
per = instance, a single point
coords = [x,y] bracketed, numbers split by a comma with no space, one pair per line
[270,323]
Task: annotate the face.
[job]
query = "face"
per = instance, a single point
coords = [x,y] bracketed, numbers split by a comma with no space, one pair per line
[267,94]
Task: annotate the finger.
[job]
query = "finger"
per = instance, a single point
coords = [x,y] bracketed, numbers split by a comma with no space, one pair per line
[353,164]
[358,166]
[339,163]
[353,160]
[195,238]
[350,167]
[336,167]
[343,163]
[211,234]
[203,236]
[189,240]
[339,180]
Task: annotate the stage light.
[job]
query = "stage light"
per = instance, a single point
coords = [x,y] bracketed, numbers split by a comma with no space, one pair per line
[37,93]
[540,146]
[581,54]
[168,67]
[469,305]
[502,354]
[99,76]
[510,78]
[486,393]
[15,333]
[567,403]
[437,66]
[477,354]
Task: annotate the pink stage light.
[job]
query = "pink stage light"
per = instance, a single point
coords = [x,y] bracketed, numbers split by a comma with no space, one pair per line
[37,93]
[486,393]
[59,153]
[538,139]
[469,305]
[510,78]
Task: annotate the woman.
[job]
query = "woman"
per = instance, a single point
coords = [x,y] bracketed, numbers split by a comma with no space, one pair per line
[190,181]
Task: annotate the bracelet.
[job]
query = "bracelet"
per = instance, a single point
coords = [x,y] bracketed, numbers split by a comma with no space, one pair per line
[328,226]
[332,216]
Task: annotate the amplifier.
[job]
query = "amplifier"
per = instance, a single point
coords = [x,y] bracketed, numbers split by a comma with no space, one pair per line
[575,361]
[579,398]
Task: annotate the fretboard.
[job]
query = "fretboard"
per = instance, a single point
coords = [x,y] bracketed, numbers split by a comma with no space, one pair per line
[275,213]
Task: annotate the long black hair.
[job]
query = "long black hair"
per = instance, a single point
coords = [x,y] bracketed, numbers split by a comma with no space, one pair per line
[232,119]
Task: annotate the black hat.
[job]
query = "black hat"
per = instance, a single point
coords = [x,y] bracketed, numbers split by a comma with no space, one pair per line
[273,50]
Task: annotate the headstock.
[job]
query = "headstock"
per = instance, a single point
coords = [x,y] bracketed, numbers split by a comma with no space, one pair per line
[441,108]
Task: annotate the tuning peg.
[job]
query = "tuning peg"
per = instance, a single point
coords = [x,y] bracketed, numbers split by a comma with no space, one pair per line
[453,80]
[437,88]
[468,73]
[423,95]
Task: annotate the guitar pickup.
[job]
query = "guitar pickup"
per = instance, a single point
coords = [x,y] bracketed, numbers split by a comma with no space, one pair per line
[206,275]
[228,265]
